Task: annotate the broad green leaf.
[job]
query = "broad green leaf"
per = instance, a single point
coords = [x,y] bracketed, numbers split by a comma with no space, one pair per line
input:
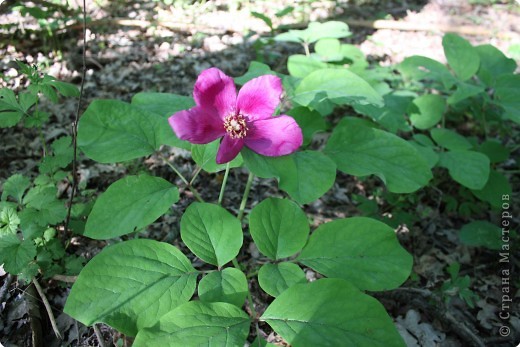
[309,121]
[228,285]
[358,61]
[493,63]
[507,90]
[464,91]
[164,105]
[316,31]
[10,110]
[360,151]
[392,115]
[274,279]
[331,312]
[430,109]
[462,57]
[15,186]
[264,18]
[131,284]
[496,186]
[363,251]
[198,324]
[62,155]
[256,69]
[300,65]
[495,151]
[449,139]
[49,209]
[471,169]
[422,68]
[64,88]
[481,234]
[113,131]
[339,86]
[206,157]
[329,49]
[130,204]
[9,221]
[279,227]
[16,254]
[431,157]
[211,233]
[305,176]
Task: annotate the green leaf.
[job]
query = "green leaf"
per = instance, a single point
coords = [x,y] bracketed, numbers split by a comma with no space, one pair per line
[430,108]
[64,88]
[392,115]
[211,233]
[363,251]
[112,131]
[493,63]
[62,155]
[50,210]
[130,285]
[206,157]
[130,204]
[16,254]
[300,65]
[164,105]
[9,221]
[329,49]
[316,31]
[309,121]
[279,227]
[198,324]
[471,169]
[15,186]
[496,186]
[425,69]
[358,61]
[464,91]
[339,86]
[462,57]
[331,312]
[449,139]
[274,279]
[495,151]
[427,152]
[507,90]
[481,234]
[256,69]
[228,285]
[360,151]
[264,18]
[305,176]
[10,110]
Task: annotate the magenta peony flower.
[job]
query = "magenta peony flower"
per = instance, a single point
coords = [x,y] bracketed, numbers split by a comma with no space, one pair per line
[243,120]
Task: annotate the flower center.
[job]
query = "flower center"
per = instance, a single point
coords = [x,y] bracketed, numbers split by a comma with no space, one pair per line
[235,126]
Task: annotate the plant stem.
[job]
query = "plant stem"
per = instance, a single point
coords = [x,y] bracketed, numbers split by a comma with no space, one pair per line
[47,308]
[249,296]
[245,196]
[196,174]
[306,47]
[223,187]
[193,190]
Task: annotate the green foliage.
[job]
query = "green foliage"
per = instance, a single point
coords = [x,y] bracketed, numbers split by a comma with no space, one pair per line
[481,234]
[129,205]
[315,32]
[274,279]
[211,233]
[205,156]
[228,285]
[130,285]
[458,286]
[278,227]
[330,312]
[360,250]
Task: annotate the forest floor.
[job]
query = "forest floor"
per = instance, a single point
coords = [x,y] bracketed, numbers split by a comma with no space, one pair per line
[163,48]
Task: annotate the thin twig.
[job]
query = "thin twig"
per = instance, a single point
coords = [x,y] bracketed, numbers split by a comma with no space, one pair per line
[99,336]
[64,278]
[47,308]
[76,120]
[181,176]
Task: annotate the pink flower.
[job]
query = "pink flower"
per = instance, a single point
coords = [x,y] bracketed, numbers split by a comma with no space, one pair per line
[243,120]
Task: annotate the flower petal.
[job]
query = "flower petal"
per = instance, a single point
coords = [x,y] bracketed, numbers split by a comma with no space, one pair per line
[275,136]
[229,149]
[214,91]
[259,97]
[197,125]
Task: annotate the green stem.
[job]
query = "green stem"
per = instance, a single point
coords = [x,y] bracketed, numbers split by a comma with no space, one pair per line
[195,175]
[306,47]
[193,190]
[223,187]
[245,196]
